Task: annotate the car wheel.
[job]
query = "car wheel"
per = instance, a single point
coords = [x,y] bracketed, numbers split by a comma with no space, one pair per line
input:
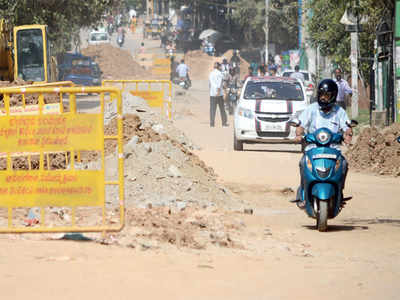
[237,145]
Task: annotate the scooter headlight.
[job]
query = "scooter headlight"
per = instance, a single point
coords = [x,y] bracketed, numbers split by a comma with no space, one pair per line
[323,137]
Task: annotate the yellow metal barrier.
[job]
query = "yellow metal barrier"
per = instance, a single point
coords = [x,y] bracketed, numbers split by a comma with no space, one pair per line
[42,135]
[160,97]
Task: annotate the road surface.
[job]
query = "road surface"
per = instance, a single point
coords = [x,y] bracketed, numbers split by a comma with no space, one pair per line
[285,257]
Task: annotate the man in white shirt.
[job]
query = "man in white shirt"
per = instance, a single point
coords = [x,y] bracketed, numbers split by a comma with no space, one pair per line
[217,95]
[183,71]
[297,74]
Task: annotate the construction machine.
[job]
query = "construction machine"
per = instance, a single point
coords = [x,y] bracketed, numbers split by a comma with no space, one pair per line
[25,53]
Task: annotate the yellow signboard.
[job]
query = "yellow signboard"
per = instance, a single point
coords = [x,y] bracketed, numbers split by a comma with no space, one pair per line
[153,98]
[51,188]
[161,70]
[51,132]
[51,108]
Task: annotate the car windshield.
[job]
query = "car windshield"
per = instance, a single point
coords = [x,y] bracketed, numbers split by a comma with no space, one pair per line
[274,90]
[100,36]
[305,74]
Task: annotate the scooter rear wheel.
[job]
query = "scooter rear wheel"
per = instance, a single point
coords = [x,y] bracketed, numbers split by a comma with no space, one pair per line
[322,216]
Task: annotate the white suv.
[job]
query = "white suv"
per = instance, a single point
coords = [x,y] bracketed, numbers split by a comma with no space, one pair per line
[309,81]
[265,106]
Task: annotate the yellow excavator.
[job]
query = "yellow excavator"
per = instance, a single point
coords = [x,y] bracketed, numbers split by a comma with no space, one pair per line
[25,54]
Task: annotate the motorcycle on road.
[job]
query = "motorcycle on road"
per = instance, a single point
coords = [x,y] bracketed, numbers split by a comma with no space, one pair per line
[120,40]
[323,176]
[184,83]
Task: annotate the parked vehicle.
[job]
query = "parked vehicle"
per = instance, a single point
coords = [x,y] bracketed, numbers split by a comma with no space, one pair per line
[264,108]
[80,69]
[98,37]
[322,190]
[309,82]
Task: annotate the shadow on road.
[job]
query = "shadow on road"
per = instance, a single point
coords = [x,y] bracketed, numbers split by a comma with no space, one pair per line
[336,228]
[393,222]
[272,150]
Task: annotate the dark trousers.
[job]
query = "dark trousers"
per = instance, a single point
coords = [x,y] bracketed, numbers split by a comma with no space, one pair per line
[214,101]
[302,166]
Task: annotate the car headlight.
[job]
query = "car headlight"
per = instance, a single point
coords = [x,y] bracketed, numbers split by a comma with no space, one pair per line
[246,113]
[323,137]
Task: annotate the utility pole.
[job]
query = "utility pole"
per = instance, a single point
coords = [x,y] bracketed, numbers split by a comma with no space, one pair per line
[266,29]
[354,65]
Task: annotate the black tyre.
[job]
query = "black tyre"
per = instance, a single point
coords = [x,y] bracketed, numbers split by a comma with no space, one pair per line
[237,145]
[322,216]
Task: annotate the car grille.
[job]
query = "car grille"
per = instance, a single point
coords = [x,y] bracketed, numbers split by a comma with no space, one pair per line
[273,120]
[323,173]
[273,134]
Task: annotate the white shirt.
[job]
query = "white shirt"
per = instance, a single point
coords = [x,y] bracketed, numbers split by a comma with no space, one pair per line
[182,70]
[313,118]
[215,82]
[297,75]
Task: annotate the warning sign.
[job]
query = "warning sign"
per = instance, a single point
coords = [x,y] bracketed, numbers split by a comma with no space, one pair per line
[153,98]
[51,188]
[51,132]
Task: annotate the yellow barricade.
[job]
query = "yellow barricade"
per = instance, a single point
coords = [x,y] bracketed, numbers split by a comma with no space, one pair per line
[36,138]
[161,66]
[157,93]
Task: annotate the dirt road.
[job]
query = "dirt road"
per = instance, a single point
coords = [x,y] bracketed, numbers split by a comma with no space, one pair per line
[281,255]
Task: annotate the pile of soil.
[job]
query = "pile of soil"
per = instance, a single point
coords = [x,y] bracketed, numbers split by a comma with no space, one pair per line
[192,227]
[116,63]
[30,99]
[377,151]
[201,64]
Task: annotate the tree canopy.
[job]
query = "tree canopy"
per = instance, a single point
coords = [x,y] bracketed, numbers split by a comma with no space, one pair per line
[63,17]
[327,33]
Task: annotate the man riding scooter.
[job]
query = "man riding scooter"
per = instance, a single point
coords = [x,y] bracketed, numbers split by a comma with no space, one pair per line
[323,114]
[183,72]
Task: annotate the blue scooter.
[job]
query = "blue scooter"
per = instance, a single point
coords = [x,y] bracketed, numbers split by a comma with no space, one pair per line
[323,182]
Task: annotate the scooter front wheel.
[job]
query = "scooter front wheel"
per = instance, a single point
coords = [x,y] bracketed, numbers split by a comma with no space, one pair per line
[322,216]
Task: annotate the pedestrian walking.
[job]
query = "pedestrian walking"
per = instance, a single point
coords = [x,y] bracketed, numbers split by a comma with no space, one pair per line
[217,95]
[343,89]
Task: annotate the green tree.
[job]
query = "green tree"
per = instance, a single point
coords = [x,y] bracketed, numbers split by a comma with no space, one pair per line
[64,17]
[327,33]
[283,17]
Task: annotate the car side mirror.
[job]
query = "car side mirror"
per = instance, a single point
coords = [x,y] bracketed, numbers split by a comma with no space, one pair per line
[352,124]
[294,122]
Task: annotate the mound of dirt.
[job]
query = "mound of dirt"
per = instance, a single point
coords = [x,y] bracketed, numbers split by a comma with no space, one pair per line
[377,151]
[30,99]
[201,64]
[116,63]
[192,227]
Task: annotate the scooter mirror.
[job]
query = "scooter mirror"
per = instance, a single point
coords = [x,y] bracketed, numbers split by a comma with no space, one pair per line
[352,123]
[294,122]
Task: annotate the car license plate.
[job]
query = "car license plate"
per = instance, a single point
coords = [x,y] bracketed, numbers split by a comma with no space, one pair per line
[274,127]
